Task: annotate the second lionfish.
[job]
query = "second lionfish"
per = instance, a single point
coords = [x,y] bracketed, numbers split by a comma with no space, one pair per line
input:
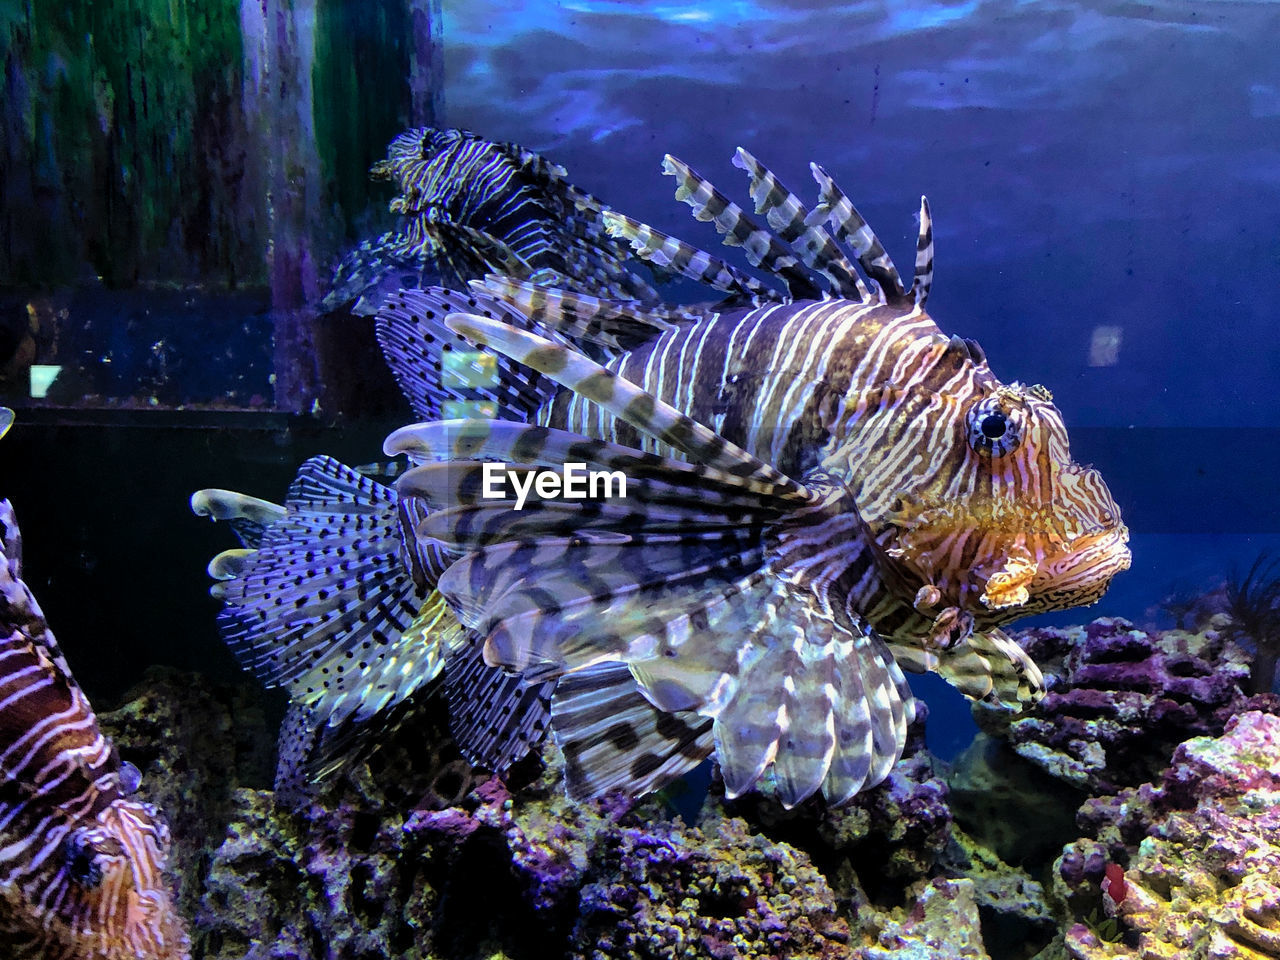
[824,489]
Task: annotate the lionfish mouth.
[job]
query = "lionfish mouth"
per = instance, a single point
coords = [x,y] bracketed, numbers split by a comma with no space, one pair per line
[1014,557]
[1079,575]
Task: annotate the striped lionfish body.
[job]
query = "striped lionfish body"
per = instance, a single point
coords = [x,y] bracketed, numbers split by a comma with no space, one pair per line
[81,865]
[823,489]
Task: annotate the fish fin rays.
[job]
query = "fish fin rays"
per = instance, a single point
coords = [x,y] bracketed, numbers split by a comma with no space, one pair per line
[988,666]
[622,398]
[495,716]
[562,588]
[923,280]
[326,608]
[441,373]
[248,516]
[761,248]
[685,260]
[617,325]
[787,214]
[613,737]
[802,240]
[1016,682]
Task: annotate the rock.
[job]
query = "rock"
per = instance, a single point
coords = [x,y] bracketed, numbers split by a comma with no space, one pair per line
[1204,882]
[1121,698]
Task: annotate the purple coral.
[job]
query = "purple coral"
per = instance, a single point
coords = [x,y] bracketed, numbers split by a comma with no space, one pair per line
[1121,698]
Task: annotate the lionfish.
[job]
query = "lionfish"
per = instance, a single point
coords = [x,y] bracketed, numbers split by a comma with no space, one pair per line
[470,206]
[823,489]
[82,866]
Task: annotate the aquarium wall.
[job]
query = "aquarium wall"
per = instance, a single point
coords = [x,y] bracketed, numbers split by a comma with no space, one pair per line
[1104,180]
[178,179]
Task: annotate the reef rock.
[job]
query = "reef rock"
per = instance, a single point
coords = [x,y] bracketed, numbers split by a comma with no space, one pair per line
[1120,699]
[1009,804]
[942,925]
[1204,883]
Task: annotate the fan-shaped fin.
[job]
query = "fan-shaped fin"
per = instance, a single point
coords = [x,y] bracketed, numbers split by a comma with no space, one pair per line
[495,716]
[444,375]
[611,736]
[326,607]
[985,666]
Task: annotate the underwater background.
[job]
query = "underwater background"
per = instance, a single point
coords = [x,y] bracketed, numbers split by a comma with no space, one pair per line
[178,182]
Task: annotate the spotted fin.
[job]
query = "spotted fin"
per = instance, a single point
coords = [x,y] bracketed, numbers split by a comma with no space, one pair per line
[728,620]
[495,716]
[248,516]
[613,737]
[789,216]
[762,249]
[445,376]
[326,607]
[818,698]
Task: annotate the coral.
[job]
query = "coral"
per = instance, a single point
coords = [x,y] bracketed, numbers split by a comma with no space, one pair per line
[901,826]
[1121,698]
[1013,904]
[405,853]
[1203,881]
[942,925]
[683,894]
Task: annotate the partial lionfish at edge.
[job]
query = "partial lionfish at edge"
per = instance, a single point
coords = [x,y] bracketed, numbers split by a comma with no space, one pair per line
[83,876]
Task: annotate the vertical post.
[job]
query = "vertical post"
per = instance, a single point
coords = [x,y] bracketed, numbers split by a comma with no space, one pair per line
[279,45]
[426,64]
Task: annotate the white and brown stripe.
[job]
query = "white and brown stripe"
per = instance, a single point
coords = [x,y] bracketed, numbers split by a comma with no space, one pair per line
[81,866]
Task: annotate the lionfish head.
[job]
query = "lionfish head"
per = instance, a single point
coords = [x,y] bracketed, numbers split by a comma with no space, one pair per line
[117,903]
[1001,519]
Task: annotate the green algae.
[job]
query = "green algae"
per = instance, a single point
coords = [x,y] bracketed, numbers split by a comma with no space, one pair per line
[359,48]
[127,117]
[142,134]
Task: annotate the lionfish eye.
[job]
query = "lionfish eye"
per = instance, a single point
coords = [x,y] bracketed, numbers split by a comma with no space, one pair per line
[993,432]
[993,426]
[81,859]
